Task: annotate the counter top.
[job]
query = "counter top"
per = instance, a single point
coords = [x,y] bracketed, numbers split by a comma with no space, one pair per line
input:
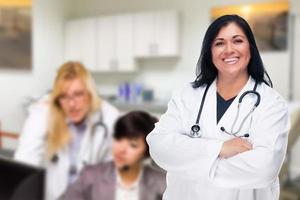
[152,106]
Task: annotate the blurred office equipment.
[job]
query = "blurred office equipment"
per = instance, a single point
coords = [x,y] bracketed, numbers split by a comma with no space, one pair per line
[19,181]
[290,188]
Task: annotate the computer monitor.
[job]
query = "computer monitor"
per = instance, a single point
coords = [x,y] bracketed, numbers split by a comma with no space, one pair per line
[19,181]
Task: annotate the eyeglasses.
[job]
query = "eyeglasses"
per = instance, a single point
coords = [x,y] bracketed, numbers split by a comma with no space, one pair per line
[77,96]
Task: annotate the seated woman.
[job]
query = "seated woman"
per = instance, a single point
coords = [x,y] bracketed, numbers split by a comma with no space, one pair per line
[67,129]
[126,177]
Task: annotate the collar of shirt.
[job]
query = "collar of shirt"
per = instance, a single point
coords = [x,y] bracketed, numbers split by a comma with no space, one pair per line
[133,186]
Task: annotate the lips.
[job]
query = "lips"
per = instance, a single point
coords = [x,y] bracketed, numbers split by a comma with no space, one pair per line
[75,115]
[231,61]
[119,159]
[74,112]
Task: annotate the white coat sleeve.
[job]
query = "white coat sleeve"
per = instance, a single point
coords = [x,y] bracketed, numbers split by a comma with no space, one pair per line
[260,166]
[32,142]
[176,152]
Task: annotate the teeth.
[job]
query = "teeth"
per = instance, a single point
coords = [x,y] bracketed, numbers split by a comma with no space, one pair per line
[231,60]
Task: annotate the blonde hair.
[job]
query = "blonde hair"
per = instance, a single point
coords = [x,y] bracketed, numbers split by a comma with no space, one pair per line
[58,134]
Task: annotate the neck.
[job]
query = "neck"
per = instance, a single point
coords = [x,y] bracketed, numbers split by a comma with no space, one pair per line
[129,176]
[229,88]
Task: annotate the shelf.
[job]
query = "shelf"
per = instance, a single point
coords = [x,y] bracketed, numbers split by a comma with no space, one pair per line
[152,107]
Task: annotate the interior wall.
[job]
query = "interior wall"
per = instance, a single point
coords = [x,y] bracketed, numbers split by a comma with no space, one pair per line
[47,48]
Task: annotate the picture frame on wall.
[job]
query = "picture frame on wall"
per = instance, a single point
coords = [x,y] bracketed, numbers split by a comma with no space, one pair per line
[268,21]
[15,36]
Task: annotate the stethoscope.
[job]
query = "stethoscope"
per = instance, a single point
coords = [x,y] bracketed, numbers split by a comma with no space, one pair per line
[195,129]
[97,124]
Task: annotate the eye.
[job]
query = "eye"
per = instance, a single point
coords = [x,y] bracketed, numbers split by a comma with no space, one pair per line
[62,97]
[219,43]
[238,41]
[78,94]
[133,144]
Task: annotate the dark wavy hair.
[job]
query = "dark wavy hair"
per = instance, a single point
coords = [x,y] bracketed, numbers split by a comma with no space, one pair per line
[206,71]
[133,125]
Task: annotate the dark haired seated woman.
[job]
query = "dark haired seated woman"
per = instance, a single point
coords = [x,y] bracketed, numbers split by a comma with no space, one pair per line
[224,136]
[126,177]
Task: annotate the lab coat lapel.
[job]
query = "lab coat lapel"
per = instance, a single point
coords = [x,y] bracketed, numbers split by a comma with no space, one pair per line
[208,115]
[90,143]
[84,155]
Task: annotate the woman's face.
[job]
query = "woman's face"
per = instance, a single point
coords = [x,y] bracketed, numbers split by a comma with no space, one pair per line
[75,100]
[231,51]
[128,152]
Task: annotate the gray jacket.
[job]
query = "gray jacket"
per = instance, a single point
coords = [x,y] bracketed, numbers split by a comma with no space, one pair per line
[98,182]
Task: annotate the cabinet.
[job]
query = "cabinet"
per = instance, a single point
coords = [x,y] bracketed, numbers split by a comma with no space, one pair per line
[111,43]
[115,43]
[80,37]
[156,34]
[103,44]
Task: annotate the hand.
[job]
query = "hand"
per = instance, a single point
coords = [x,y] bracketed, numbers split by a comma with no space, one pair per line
[233,147]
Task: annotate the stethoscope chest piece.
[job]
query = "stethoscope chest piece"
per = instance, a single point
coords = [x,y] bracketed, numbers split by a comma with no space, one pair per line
[195,131]
[195,128]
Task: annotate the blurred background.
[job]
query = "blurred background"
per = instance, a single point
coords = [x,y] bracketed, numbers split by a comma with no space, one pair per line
[138,51]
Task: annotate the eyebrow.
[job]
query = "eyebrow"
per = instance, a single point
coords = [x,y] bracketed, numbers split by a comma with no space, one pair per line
[235,36]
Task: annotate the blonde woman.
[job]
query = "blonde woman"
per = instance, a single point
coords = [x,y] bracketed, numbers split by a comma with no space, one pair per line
[67,129]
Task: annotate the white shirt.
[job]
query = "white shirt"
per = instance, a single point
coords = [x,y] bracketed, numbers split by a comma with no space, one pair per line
[125,192]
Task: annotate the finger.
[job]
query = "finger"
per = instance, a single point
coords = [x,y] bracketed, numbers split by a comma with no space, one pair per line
[247,144]
[242,149]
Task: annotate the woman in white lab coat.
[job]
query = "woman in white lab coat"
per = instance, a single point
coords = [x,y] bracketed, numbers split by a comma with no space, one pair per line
[237,153]
[68,129]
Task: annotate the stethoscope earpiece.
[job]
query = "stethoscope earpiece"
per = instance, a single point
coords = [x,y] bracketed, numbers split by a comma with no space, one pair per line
[245,135]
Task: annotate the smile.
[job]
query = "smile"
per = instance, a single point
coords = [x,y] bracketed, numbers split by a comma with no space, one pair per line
[231,61]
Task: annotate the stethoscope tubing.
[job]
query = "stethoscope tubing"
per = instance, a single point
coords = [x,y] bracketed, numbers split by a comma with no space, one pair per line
[99,123]
[195,129]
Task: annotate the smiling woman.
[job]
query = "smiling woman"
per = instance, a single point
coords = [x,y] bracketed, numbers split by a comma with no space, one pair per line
[237,145]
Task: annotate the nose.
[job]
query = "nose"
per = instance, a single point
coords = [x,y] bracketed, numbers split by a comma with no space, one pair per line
[228,48]
[122,148]
[71,102]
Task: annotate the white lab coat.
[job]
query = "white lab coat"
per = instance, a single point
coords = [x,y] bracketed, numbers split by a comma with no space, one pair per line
[94,147]
[194,170]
